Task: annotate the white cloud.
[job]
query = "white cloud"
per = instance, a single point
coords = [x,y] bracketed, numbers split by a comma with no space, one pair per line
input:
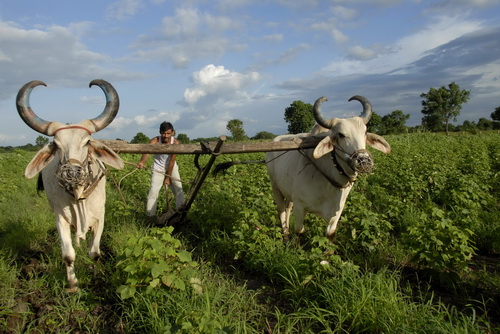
[344,12]
[274,38]
[187,35]
[184,24]
[143,121]
[123,9]
[331,27]
[338,36]
[54,54]
[216,81]
[191,22]
[358,52]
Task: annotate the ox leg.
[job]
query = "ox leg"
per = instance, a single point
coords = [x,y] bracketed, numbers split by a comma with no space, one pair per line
[300,214]
[285,218]
[68,252]
[284,208]
[332,214]
[97,228]
[331,229]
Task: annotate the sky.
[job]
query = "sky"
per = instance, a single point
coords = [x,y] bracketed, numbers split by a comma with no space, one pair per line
[202,63]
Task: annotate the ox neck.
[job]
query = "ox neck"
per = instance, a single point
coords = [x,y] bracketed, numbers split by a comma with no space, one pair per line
[339,167]
[332,179]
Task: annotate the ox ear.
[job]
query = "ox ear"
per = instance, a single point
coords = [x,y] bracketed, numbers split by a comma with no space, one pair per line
[377,142]
[325,146]
[40,160]
[105,154]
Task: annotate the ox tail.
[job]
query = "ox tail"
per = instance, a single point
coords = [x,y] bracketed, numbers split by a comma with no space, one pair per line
[39,184]
[221,168]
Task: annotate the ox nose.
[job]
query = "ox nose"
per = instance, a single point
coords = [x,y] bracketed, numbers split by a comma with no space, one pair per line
[362,161]
[72,177]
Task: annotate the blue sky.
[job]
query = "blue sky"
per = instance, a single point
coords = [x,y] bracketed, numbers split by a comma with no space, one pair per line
[202,63]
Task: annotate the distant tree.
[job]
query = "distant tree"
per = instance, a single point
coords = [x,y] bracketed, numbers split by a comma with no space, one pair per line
[453,128]
[183,138]
[442,105]
[469,126]
[264,135]
[484,124]
[433,123]
[496,114]
[374,124]
[395,122]
[416,129]
[140,138]
[235,126]
[299,117]
[41,141]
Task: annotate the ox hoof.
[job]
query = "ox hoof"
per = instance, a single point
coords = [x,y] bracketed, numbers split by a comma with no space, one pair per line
[95,256]
[331,236]
[72,289]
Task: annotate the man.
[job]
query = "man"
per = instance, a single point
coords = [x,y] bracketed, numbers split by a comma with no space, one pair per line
[164,172]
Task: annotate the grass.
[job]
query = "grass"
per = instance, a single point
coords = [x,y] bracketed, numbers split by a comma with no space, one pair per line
[251,281]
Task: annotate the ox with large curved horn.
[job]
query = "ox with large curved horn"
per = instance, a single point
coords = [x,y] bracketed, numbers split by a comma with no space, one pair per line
[73,172]
[319,180]
[40,125]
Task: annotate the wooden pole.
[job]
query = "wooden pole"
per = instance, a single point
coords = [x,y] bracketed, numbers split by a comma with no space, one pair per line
[181,213]
[229,148]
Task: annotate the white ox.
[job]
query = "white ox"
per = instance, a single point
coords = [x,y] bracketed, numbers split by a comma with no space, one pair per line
[318,181]
[74,176]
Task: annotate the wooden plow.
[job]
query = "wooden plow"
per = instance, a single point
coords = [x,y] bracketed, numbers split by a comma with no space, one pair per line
[214,149]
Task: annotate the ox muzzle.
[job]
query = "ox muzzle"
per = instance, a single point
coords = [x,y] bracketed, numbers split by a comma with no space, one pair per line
[73,177]
[361,161]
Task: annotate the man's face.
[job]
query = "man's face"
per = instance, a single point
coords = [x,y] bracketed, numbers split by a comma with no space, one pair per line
[166,135]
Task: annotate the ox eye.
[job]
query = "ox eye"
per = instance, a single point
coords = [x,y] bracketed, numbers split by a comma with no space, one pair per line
[341,135]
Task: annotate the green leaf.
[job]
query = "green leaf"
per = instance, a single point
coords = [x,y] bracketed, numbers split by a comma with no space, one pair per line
[179,284]
[159,268]
[154,283]
[126,291]
[168,279]
[184,256]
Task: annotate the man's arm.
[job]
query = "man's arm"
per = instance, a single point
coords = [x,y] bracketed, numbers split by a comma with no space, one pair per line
[145,156]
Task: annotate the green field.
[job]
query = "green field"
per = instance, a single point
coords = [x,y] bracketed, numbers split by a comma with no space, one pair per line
[417,251]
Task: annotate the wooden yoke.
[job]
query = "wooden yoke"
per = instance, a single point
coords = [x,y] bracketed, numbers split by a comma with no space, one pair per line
[120,146]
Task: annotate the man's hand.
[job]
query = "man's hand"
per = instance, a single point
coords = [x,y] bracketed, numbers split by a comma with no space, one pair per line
[140,165]
[166,181]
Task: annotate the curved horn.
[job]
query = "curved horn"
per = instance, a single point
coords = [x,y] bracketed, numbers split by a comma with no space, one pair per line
[27,114]
[318,116]
[366,115]
[112,104]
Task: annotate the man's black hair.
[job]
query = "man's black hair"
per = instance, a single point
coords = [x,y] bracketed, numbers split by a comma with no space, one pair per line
[166,126]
